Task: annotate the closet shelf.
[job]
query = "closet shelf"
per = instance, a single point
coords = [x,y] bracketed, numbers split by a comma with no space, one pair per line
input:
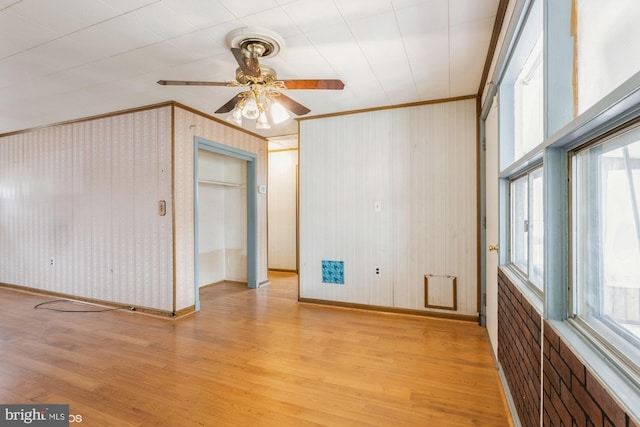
[223,183]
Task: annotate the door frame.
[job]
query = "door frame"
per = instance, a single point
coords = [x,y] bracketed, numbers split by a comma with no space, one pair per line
[252,208]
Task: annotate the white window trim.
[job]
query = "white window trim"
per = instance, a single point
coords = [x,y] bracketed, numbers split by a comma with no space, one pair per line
[523,276]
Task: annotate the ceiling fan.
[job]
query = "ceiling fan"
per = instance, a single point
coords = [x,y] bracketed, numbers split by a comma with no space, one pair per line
[263,95]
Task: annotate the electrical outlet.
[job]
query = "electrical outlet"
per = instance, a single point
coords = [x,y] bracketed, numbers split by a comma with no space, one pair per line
[51,262]
[378,271]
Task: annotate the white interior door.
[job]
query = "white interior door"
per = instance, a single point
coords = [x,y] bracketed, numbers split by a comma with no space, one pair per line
[492,215]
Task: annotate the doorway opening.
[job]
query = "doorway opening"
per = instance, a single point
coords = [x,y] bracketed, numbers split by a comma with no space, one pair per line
[225,209]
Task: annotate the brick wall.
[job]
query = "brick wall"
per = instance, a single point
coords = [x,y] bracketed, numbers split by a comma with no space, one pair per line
[519,326]
[571,394]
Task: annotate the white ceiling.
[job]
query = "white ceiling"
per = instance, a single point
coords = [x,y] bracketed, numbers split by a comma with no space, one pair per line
[67,59]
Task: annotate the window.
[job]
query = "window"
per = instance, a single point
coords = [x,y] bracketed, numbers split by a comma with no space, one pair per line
[527,227]
[570,186]
[607,51]
[528,101]
[606,240]
[522,92]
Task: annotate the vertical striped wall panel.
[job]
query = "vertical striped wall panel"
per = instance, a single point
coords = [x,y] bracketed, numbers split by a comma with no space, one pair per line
[188,125]
[344,170]
[164,227]
[99,191]
[123,207]
[12,194]
[85,194]
[395,190]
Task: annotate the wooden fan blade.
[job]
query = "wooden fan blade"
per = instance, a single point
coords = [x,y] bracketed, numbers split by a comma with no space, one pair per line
[229,105]
[291,105]
[314,84]
[190,83]
[248,62]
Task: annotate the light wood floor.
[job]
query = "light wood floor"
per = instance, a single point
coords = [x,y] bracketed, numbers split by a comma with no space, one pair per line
[249,358]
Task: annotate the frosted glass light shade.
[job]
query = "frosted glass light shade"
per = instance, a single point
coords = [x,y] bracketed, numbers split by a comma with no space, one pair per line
[262,122]
[250,109]
[235,117]
[278,113]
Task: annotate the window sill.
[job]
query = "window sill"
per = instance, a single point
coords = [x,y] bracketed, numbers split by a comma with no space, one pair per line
[532,296]
[621,387]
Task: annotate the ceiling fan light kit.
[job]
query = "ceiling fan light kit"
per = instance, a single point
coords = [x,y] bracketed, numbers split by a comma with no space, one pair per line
[262,101]
[258,104]
[278,113]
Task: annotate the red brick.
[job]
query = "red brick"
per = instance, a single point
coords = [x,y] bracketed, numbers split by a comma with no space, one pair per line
[535,359]
[546,385]
[588,405]
[632,423]
[534,392]
[518,351]
[573,407]
[564,418]
[534,332]
[577,368]
[561,368]
[550,416]
[554,379]
[546,349]
[602,397]
[535,314]
[551,335]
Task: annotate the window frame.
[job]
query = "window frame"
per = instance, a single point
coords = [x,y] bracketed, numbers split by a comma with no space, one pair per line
[526,73]
[616,343]
[510,112]
[523,274]
[563,132]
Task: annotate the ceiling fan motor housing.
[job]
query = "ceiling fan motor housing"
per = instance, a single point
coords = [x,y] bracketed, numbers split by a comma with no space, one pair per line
[267,76]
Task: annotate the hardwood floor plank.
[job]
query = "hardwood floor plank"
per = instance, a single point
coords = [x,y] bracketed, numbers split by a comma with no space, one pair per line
[250,357]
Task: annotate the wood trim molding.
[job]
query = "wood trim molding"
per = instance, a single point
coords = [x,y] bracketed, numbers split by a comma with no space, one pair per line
[575,34]
[388,107]
[217,120]
[184,312]
[493,43]
[135,110]
[393,310]
[479,196]
[221,282]
[107,304]
[280,150]
[173,208]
